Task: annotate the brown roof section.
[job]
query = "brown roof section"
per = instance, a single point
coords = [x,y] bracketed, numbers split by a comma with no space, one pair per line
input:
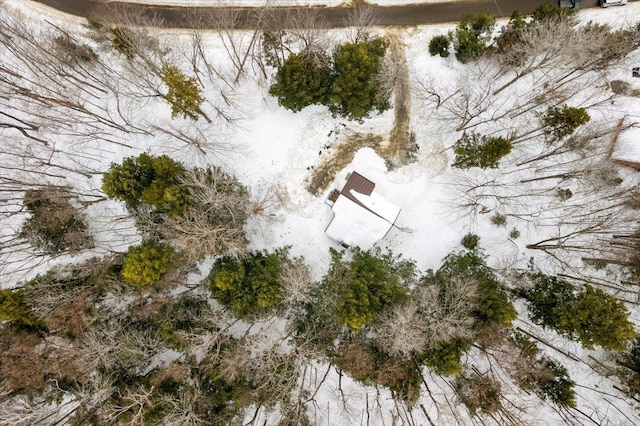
[360,184]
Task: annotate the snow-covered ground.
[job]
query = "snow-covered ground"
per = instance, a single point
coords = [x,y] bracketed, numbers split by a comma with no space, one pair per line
[273,151]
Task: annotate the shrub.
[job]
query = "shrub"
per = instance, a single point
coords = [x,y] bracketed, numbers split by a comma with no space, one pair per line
[551,12]
[439,45]
[366,285]
[514,234]
[478,393]
[589,316]
[153,180]
[444,359]
[188,314]
[69,51]
[472,35]
[145,264]
[474,150]
[55,225]
[561,122]
[564,194]
[499,219]
[184,95]
[13,307]
[470,241]
[250,286]
[365,363]
[355,92]
[302,80]
[123,41]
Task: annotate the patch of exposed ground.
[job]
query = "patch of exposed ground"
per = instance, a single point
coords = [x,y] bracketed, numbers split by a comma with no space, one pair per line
[398,149]
[324,174]
[401,144]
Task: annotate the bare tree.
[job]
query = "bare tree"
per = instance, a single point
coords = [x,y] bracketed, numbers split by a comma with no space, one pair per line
[295,277]
[214,224]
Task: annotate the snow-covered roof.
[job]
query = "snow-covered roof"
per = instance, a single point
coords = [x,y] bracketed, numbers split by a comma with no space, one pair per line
[361,219]
[627,147]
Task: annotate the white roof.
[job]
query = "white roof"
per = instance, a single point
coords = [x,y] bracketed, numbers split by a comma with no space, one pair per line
[357,226]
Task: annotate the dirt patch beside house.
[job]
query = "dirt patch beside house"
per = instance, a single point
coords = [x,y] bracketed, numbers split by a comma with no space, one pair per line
[324,174]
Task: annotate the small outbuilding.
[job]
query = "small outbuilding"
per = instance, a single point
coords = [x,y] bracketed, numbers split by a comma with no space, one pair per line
[361,216]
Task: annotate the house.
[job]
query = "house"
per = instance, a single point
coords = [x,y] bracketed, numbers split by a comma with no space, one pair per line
[361,216]
[624,147]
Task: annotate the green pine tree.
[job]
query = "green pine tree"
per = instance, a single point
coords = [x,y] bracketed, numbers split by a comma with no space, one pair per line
[250,286]
[588,315]
[474,150]
[303,79]
[146,263]
[371,283]
[184,95]
[561,122]
[148,179]
[355,91]
[472,36]
[13,307]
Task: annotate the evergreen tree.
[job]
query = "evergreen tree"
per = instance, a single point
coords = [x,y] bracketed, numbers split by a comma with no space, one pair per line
[250,286]
[153,180]
[366,285]
[355,91]
[472,35]
[474,150]
[13,307]
[561,122]
[439,45]
[589,315]
[444,359]
[303,79]
[184,95]
[145,264]
[559,387]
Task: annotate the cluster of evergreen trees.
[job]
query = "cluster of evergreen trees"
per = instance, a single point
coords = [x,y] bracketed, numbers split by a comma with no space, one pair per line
[348,82]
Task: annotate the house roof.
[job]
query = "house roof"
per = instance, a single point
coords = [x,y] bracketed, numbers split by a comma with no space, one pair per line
[361,216]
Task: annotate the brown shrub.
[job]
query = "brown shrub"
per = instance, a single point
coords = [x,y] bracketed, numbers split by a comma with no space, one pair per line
[69,319]
[28,362]
[356,360]
[478,393]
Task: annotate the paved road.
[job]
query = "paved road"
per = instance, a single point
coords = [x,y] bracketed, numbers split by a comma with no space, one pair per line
[428,13]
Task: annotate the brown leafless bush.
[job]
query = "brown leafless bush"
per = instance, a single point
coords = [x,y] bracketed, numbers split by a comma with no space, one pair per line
[30,364]
[55,224]
[403,331]
[478,393]
[117,347]
[295,277]
[357,360]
